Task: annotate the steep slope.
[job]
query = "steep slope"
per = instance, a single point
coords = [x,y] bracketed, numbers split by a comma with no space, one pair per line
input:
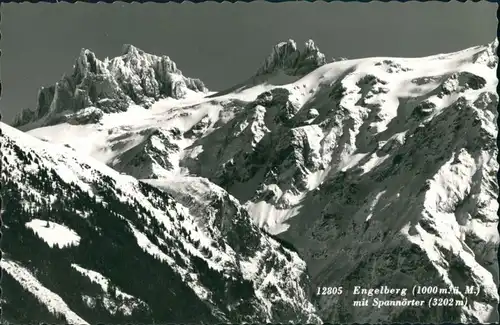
[380,171]
[135,77]
[84,244]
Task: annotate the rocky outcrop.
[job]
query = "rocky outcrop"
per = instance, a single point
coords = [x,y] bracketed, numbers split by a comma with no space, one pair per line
[286,57]
[488,56]
[135,77]
[151,157]
[461,82]
[89,115]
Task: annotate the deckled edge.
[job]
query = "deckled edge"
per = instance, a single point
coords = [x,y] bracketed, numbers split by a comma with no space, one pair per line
[1,160]
[247,1]
[231,1]
[498,143]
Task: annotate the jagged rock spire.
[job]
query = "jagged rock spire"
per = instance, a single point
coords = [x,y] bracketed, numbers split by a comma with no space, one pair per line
[285,56]
[135,77]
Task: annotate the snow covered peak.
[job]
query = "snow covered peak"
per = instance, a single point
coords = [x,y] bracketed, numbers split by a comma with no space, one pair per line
[287,57]
[111,85]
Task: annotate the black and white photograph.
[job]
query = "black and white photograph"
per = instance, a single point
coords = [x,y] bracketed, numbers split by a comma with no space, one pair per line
[209,163]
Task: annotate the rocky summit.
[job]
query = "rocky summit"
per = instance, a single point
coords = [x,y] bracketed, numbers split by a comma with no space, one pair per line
[110,86]
[355,191]
[286,57]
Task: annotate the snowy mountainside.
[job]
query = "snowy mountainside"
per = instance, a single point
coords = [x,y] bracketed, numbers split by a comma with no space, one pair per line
[379,171]
[131,249]
[384,164]
[111,85]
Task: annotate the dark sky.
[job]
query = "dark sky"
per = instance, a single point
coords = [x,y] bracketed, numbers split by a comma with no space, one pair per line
[223,44]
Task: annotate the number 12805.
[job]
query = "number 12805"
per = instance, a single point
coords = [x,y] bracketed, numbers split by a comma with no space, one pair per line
[328,291]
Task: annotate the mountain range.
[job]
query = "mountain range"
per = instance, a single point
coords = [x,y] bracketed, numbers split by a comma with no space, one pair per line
[132,193]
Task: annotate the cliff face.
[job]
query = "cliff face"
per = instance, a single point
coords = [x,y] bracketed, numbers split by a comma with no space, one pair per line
[135,77]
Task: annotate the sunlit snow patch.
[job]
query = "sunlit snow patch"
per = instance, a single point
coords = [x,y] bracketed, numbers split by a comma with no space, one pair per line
[54,234]
[268,216]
